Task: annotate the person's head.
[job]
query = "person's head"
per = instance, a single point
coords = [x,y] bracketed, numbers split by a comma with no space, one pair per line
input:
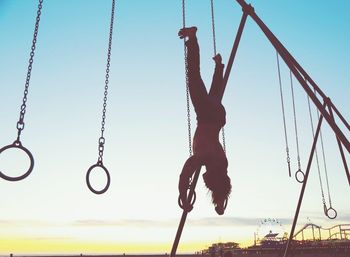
[219,183]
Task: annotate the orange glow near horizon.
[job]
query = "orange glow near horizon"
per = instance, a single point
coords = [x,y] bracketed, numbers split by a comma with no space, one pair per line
[63,246]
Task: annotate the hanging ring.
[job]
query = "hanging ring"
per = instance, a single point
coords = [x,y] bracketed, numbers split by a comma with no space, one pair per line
[331,213]
[299,176]
[190,206]
[18,145]
[98,192]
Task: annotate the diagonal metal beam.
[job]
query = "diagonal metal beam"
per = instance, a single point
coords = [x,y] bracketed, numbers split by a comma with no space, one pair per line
[299,73]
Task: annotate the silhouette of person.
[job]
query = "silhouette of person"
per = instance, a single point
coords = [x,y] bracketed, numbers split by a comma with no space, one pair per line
[211,117]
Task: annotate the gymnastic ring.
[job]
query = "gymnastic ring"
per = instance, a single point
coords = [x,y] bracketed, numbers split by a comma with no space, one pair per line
[299,171]
[98,192]
[193,200]
[180,203]
[17,144]
[330,216]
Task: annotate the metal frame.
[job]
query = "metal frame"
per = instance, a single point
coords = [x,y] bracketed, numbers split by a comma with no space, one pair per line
[325,106]
[305,80]
[196,175]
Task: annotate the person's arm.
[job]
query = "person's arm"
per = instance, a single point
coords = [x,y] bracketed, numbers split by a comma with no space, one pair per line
[191,165]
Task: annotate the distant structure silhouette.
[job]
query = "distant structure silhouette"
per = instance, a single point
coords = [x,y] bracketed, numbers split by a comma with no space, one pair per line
[211,117]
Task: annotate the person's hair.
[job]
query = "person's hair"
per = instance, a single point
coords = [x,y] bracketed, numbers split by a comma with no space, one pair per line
[219,183]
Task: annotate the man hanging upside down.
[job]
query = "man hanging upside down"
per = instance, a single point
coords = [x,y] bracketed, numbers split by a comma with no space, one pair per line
[211,117]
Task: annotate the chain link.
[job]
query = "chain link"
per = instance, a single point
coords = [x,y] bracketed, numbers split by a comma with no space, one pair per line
[324,159]
[316,153]
[187,84]
[20,123]
[213,25]
[283,113]
[101,141]
[295,120]
[223,139]
[215,52]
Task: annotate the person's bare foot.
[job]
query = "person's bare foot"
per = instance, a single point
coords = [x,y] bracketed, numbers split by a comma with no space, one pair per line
[187,32]
[217,58]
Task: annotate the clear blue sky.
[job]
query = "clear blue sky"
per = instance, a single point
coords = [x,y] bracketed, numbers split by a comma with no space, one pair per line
[146,130]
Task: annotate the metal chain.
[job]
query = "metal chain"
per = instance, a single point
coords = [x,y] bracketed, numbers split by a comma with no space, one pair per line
[215,52]
[213,25]
[295,120]
[283,113]
[316,154]
[223,139]
[101,140]
[20,123]
[187,84]
[324,160]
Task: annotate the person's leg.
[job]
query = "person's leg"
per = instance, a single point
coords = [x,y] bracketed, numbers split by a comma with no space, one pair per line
[217,87]
[197,88]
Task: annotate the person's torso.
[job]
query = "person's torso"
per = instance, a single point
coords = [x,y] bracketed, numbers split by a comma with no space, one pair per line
[212,114]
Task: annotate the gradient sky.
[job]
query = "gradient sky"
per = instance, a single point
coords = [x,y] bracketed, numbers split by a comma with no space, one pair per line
[52,211]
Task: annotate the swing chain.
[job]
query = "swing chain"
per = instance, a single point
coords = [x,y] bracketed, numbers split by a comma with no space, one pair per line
[324,164]
[213,25]
[283,113]
[223,139]
[188,109]
[215,52]
[330,212]
[295,120]
[20,123]
[325,209]
[187,84]
[101,140]
[101,146]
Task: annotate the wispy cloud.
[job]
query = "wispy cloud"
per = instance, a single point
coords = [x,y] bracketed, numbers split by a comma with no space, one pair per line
[124,223]
[205,222]
[228,221]
[47,238]
[27,223]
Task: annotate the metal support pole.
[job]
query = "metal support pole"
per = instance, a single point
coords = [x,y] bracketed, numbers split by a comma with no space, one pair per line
[341,149]
[298,72]
[234,49]
[304,186]
[341,117]
[184,214]
[195,179]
